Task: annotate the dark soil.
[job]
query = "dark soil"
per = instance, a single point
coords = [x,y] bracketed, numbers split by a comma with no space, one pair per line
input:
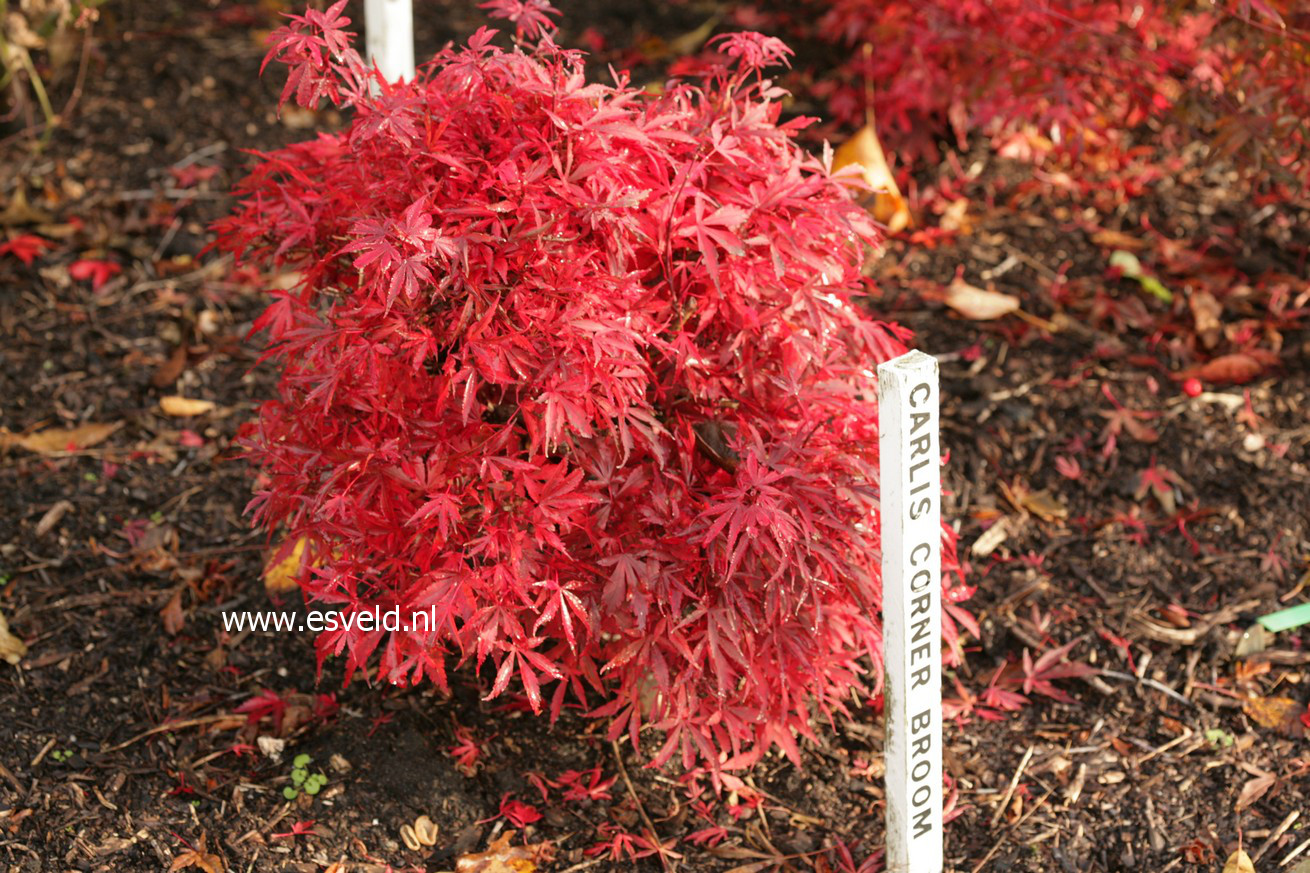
[117,560]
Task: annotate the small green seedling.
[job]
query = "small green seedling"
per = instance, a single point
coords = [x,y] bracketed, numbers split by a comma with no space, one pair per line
[302,779]
[62,756]
[1219,738]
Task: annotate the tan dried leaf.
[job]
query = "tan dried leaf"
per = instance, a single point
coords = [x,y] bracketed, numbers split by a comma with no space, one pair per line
[865,151]
[1282,714]
[1253,790]
[978,304]
[1044,505]
[501,857]
[56,440]
[12,649]
[184,407]
[199,858]
[1239,862]
[19,211]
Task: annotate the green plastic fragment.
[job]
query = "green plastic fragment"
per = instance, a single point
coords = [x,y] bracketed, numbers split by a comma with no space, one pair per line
[1286,619]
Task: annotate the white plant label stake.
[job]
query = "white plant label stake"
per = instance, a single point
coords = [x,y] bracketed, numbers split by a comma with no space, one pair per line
[389,37]
[910,450]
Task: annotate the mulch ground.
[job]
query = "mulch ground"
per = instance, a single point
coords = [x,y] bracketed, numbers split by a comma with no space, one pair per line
[120,745]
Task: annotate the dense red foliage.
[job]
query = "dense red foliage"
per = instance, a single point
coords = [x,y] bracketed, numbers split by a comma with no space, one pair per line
[578,367]
[1079,72]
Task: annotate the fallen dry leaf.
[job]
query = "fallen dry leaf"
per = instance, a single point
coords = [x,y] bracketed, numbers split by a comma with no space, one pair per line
[167,372]
[1239,862]
[54,440]
[184,407]
[1044,505]
[283,567]
[978,304]
[1282,714]
[12,649]
[1253,790]
[198,857]
[865,151]
[174,618]
[501,857]
[1237,368]
[19,211]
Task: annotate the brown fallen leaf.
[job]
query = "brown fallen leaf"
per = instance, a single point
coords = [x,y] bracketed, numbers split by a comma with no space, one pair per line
[1239,862]
[56,440]
[19,211]
[1253,790]
[174,618]
[1044,505]
[978,304]
[865,151]
[1282,714]
[198,857]
[168,371]
[1236,368]
[12,649]
[501,857]
[184,407]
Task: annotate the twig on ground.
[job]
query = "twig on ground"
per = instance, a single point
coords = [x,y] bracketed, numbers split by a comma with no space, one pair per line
[1014,783]
[1158,686]
[1278,832]
[666,862]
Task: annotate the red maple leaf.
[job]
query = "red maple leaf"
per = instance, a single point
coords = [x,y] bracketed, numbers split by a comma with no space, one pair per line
[267,704]
[25,247]
[99,272]
[518,813]
[298,829]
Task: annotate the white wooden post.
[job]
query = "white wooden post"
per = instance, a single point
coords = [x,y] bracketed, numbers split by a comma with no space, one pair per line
[910,462]
[389,37]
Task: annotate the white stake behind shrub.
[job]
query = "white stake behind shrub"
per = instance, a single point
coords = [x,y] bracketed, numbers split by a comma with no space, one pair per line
[389,35]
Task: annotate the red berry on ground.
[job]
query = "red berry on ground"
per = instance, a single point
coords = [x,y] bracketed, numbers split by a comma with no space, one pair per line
[1192,387]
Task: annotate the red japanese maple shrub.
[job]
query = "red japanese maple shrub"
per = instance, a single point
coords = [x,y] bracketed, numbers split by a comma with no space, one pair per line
[577,369]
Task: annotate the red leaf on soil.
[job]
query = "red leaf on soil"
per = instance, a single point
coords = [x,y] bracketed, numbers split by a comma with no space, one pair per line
[518,813]
[26,247]
[266,705]
[99,272]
